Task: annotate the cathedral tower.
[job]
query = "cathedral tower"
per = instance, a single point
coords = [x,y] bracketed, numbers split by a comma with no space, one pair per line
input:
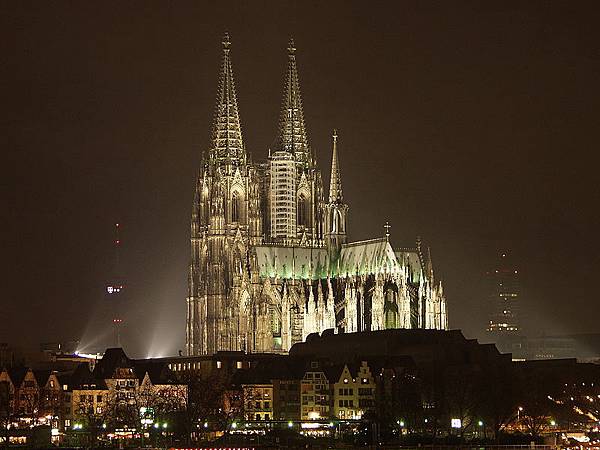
[295,188]
[225,216]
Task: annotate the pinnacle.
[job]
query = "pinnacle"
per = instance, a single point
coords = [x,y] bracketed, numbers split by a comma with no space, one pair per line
[291,47]
[226,41]
[335,181]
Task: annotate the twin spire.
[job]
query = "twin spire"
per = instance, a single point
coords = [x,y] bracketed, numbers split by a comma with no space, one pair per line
[292,130]
[227,142]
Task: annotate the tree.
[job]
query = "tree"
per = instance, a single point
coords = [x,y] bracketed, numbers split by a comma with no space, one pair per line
[462,395]
[210,405]
[536,404]
[501,393]
[6,407]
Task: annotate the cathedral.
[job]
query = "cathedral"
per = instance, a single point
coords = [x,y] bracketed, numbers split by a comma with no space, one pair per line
[271,261]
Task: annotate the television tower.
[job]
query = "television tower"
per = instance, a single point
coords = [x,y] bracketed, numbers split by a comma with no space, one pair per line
[115,288]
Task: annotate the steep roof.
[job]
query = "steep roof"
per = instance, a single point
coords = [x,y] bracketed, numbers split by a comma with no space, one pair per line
[158,371]
[113,358]
[17,375]
[368,257]
[42,376]
[82,377]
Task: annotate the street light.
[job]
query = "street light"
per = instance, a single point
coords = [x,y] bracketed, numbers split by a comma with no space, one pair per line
[519,410]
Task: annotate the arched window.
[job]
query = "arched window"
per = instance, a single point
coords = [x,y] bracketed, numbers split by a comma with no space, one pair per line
[302,210]
[235,207]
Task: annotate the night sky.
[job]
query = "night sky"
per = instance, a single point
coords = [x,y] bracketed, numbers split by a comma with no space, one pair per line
[472,124]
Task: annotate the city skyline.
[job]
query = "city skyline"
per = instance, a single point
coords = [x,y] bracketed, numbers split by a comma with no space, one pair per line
[475,145]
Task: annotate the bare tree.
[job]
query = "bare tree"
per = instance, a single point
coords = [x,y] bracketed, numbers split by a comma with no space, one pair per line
[536,404]
[7,408]
[210,405]
[462,395]
[500,390]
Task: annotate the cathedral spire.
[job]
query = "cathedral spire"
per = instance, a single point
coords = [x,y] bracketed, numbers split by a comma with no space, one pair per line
[335,181]
[292,131]
[227,143]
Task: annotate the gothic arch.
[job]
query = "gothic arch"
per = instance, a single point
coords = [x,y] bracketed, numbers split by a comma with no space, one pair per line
[303,206]
[235,206]
[390,305]
[302,210]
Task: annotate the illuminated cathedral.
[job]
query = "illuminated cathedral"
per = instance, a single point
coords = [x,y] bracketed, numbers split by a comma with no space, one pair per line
[270,258]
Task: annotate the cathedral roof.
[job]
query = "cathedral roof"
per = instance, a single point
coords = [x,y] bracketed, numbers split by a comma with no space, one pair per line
[368,257]
[410,258]
[292,262]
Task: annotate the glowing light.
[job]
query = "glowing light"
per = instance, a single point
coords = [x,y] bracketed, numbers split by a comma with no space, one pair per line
[456,423]
[290,424]
[234,425]
[553,423]
[480,423]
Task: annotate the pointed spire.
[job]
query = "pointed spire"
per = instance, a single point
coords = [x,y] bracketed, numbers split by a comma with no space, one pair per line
[292,131]
[335,181]
[227,143]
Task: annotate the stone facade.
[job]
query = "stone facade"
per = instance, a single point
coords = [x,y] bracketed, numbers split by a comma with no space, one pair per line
[270,261]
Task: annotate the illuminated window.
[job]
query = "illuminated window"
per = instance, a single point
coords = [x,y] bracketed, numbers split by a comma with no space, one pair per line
[219,364]
[239,365]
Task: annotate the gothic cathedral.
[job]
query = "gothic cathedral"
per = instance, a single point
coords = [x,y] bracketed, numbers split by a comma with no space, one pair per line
[270,258]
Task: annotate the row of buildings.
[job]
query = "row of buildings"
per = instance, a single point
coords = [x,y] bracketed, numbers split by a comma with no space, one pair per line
[419,380]
[80,393]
